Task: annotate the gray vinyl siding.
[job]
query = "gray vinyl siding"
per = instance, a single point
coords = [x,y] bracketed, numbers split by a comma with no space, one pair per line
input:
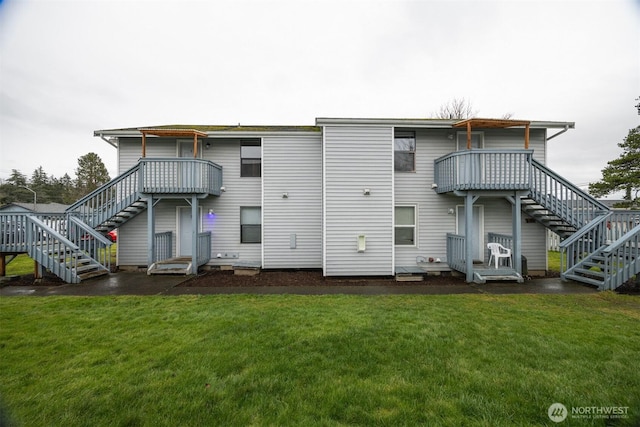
[292,165]
[132,236]
[240,192]
[224,225]
[514,139]
[356,158]
[414,188]
[434,219]
[130,150]
[498,219]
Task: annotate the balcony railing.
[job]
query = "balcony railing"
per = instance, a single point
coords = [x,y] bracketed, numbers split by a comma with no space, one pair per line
[177,175]
[481,169]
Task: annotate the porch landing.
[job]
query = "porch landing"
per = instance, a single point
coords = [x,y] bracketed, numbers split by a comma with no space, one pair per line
[179,265]
[482,274]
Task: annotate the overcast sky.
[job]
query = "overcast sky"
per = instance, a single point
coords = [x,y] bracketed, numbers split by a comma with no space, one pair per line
[68,68]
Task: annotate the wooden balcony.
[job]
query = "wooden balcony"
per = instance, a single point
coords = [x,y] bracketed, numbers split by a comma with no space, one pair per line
[484,169]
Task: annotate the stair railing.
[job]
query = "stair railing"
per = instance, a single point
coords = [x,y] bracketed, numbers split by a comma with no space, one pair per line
[90,241]
[622,259]
[564,199]
[204,248]
[104,202]
[51,249]
[456,251]
[164,246]
[583,243]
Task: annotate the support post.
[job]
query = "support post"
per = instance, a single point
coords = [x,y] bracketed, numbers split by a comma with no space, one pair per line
[469,135]
[151,232]
[194,234]
[144,144]
[526,136]
[517,232]
[468,233]
[3,265]
[38,271]
[195,146]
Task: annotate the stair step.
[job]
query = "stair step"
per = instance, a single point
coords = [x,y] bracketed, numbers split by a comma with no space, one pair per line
[86,267]
[96,273]
[583,279]
[589,273]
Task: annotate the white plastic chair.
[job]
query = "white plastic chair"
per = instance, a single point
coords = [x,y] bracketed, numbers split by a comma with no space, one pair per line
[498,251]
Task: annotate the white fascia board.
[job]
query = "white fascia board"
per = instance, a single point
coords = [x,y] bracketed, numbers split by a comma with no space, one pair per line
[423,123]
[225,134]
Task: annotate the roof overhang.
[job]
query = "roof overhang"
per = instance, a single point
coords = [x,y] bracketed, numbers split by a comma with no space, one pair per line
[439,123]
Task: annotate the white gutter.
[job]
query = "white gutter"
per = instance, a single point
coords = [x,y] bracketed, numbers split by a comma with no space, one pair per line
[423,123]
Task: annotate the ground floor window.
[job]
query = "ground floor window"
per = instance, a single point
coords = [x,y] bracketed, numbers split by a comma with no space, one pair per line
[251,224]
[405,225]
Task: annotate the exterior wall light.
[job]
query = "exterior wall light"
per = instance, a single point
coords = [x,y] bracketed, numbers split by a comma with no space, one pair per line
[366,191]
[285,195]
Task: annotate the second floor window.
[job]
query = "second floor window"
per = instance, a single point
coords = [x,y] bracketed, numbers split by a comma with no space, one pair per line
[250,158]
[404,151]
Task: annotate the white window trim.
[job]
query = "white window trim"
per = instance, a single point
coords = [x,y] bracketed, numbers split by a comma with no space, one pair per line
[415,225]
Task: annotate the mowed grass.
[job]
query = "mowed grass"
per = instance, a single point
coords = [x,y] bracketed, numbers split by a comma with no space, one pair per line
[317,360]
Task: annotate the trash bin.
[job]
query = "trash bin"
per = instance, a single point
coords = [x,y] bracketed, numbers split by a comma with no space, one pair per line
[525,269]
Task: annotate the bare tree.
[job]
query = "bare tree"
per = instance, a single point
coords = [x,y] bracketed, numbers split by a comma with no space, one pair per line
[456,109]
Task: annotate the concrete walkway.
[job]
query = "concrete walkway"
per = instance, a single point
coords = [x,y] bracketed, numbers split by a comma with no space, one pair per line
[135,283]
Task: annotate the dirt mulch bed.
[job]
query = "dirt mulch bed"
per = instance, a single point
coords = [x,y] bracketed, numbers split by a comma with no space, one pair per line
[304,278]
[49,279]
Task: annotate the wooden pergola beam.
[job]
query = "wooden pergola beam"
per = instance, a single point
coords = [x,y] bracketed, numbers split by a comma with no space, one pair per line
[172,133]
[493,124]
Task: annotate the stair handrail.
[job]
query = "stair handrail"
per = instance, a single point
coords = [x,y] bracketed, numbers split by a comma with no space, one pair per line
[584,230]
[583,243]
[97,207]
[90,241]
[50,240]
[583,208]
[622,259]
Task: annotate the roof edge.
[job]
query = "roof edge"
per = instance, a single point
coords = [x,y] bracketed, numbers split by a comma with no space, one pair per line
[426,123]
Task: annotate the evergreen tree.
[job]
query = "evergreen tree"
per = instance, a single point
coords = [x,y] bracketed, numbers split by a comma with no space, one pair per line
[623,173]
[91,173]
[16,178]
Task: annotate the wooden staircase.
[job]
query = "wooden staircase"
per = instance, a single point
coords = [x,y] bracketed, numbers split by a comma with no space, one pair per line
[599,247]
[547,218]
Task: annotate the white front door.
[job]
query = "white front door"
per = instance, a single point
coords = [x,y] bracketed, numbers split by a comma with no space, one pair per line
[478,230]
[185,231]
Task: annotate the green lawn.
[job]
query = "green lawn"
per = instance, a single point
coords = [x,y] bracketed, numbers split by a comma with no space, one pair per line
[553,259]
[317,360]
